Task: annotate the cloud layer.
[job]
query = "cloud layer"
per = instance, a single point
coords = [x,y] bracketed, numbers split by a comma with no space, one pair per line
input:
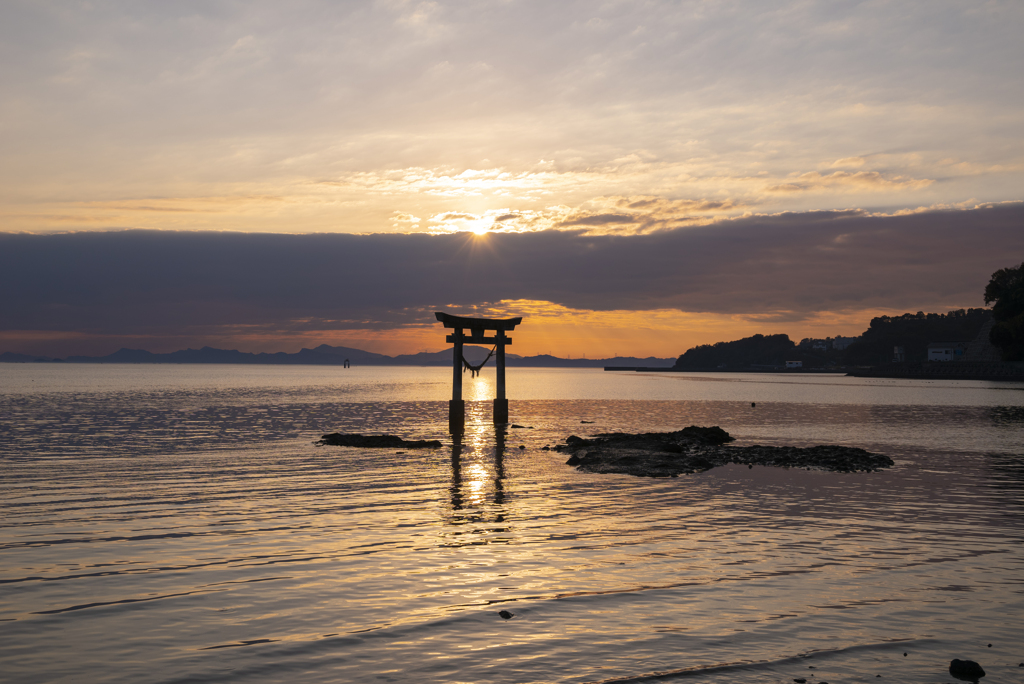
[784,268]
[326,116]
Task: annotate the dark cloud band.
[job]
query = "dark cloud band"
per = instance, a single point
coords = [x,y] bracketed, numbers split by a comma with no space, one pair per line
[141,282]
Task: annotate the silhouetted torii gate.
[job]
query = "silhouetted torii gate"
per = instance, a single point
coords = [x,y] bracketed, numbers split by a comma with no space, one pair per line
[477,328]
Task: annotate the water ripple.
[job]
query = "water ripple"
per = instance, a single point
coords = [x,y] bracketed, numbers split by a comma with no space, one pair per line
[148,528]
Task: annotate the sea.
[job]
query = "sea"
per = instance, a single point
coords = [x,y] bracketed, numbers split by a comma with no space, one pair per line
[179,523]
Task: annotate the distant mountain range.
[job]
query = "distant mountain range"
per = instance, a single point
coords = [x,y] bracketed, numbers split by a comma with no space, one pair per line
[325,355]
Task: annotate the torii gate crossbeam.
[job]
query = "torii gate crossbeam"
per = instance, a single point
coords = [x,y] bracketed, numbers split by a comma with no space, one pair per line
[477,327]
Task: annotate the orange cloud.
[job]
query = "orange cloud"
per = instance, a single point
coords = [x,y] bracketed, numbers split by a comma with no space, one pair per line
[850,182]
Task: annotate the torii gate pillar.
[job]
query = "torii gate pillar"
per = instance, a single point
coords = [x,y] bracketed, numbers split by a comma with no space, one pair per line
[477,328]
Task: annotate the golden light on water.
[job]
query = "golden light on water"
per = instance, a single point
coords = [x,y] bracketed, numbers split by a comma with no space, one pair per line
[476,483]
[480,388]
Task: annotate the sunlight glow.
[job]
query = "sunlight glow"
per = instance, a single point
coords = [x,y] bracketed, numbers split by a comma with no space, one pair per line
[480,388]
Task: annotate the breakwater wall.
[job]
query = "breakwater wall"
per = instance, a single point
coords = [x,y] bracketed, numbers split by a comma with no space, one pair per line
[945,370]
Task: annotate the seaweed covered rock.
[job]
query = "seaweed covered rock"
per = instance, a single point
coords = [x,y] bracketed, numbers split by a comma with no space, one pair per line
[707,435]
[376,442]
[696,449]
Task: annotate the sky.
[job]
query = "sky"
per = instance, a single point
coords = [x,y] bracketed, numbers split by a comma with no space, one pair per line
[633,178]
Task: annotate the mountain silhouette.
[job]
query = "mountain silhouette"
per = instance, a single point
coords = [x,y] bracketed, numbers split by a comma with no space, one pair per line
[326,355]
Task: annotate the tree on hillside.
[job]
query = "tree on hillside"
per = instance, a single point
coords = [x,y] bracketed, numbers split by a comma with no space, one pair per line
[769,350]
[1006,291]
[914,332]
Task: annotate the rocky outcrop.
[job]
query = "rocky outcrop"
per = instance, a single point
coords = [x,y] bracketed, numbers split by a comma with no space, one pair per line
[696,449]
[966,670]
[376,442]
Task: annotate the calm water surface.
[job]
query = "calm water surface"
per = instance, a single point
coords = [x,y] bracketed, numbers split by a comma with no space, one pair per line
[177,524]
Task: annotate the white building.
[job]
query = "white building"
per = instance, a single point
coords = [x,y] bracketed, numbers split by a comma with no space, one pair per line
[946,351]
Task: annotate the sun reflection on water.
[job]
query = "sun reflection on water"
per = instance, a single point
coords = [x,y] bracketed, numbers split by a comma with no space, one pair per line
[480,388]
[477,513]
[476,484]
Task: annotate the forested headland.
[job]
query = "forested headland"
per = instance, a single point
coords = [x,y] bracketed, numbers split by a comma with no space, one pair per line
[982,335]
[875,346]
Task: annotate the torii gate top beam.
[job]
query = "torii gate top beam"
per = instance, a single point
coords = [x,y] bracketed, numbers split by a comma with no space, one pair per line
[461,322]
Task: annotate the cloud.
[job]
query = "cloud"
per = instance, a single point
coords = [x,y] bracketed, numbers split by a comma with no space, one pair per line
[598,216]
[448,106]
[405,221]
[599,219]
[643,214]
[851,182]
[788,265]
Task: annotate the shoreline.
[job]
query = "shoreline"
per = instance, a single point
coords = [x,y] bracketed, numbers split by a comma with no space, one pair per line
[923,370]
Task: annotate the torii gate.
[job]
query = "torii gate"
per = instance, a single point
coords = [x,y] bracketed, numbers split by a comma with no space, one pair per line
[477,327]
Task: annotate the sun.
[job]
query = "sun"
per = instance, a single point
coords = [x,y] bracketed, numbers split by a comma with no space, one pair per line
[477,225]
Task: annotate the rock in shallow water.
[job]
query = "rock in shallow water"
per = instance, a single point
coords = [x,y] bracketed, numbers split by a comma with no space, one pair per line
[966,670]
[376,442]
[696,449]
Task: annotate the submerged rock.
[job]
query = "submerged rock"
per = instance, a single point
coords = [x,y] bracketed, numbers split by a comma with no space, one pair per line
[966,670]
[376,442]
[696,449]
[506,615]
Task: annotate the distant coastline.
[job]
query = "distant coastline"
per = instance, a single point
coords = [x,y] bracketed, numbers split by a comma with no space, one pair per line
[773,369]
[326,355]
